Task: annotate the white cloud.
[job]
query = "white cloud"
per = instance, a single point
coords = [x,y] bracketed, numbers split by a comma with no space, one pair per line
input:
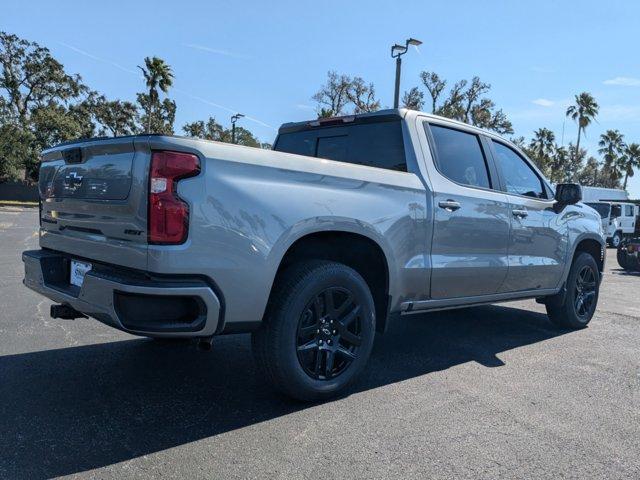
[217,51]
[620,113]
[623,81]
[543,102]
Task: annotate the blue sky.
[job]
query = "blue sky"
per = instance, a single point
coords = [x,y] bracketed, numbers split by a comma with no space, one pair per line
[266,59]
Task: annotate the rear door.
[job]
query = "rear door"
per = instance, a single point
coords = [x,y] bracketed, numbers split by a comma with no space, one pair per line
[538,241]
[629,218]
[471,217]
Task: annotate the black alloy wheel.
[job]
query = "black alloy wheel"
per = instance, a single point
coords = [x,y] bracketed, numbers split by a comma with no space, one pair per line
[585,291]
[318,331]
[329,333]
[574,306]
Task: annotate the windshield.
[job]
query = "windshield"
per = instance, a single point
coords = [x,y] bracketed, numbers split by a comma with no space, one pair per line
[602,208]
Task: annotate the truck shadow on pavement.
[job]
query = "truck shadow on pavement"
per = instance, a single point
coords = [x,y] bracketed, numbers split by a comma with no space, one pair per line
[73,409]
[627,273]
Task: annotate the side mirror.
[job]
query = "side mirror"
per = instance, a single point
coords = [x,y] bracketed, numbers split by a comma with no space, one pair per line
[568,193]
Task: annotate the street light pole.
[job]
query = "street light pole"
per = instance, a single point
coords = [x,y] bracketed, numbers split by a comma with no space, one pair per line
[396,94]
[396,52]
[234,119]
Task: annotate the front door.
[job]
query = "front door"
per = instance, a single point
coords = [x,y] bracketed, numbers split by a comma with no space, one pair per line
[471,218]
[538,243]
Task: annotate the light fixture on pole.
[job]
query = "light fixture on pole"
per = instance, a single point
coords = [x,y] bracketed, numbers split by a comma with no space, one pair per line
[234,119]
[396,52]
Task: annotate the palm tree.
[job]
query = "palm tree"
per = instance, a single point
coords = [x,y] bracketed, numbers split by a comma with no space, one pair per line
[612,147]
[558,165]
[631,161]
[543,142]
[157,74]
[542,148]
[583,112]
[588,176]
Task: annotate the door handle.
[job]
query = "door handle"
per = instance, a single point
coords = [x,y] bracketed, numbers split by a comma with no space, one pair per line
[449,205]
[519,213]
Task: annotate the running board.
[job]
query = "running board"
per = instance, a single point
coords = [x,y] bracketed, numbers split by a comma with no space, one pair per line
[459,302]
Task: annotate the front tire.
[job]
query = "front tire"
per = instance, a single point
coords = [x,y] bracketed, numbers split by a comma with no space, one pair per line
[621,256]
[318,332]
[575,308]
[616,239]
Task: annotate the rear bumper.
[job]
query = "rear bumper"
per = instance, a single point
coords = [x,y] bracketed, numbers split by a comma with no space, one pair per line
[128,300]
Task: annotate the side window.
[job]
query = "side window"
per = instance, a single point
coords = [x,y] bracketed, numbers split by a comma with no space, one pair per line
[519,177]
[459,156]
[628,210]
[616,211]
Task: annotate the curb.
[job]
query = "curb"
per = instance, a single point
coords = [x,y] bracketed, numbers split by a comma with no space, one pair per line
[16,203]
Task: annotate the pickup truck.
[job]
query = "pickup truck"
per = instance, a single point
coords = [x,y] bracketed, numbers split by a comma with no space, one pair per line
[312,246]
[618,220]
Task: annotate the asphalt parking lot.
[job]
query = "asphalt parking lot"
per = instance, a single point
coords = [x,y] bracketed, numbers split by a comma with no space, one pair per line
[479,393]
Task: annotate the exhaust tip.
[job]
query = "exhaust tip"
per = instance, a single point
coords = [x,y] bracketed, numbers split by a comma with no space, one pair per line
[205,343]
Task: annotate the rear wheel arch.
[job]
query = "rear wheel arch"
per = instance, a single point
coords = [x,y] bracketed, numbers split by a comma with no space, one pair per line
[360,252]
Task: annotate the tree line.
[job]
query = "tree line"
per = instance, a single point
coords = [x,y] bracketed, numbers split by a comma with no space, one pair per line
[573,163]
[41,105]
[467,101]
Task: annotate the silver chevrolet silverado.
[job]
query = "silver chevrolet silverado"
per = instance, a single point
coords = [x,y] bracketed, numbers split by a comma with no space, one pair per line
[312,246]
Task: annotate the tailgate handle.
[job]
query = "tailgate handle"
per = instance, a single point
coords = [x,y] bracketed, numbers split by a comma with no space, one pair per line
[72,155]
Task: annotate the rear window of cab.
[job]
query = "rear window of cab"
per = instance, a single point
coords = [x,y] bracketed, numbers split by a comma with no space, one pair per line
[378,144]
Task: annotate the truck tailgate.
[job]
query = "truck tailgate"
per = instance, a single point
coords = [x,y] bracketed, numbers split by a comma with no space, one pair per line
[94,200]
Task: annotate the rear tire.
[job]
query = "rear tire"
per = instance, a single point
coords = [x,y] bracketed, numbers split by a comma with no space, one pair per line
[575,308]
[318,331]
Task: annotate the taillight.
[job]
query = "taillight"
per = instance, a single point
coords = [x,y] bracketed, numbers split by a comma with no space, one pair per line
[168,220]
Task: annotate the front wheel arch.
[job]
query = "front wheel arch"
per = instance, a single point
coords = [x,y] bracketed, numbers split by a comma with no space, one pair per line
[594,247]
[562,308]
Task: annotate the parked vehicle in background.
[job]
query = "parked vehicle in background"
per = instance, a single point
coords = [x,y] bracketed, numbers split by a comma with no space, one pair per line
[619,220]
[596,194]
[627,254]
[312,247]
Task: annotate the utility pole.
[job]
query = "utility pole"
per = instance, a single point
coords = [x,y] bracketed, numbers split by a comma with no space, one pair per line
[396,52]
[234,119]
